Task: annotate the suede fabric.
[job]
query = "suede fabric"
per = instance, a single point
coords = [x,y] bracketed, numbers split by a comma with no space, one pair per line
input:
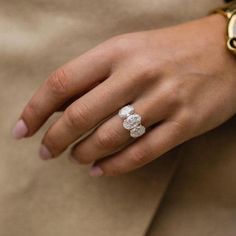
[201,199]
[188,191]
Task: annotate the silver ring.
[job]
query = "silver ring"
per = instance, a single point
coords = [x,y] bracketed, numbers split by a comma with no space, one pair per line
[132,121]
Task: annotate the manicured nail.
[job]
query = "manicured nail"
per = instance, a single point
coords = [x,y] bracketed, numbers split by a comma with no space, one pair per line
[20,130]
[44,153]
[96,171]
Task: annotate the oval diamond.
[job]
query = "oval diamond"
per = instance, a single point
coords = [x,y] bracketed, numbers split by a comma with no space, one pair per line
[132,121]
[137,131]
[126,111]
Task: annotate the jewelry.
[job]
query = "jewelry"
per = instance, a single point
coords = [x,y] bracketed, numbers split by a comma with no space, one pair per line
[132,121]
[229,11]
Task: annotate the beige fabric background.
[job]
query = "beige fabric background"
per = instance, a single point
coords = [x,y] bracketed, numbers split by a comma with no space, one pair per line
[189,191]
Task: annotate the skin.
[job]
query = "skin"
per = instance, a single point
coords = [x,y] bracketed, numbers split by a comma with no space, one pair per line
[179,79]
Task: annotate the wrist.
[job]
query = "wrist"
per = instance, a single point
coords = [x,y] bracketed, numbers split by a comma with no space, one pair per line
[229,13]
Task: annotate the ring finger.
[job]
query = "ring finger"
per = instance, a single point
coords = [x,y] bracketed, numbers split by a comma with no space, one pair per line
[111,136]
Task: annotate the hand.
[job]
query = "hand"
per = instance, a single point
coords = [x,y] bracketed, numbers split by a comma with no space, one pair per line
[181,80]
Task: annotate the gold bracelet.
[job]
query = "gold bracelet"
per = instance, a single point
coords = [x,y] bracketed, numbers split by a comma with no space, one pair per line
[229,12]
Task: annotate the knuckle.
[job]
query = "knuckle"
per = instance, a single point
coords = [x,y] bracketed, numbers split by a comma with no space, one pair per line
[172,94]
[178,125]
[104,139]
[187,118]
[112,171]
[140,156]
[185,124]
[77,116]
[30,110]
[145,70]
[58,81]
[120,41]
[121,44]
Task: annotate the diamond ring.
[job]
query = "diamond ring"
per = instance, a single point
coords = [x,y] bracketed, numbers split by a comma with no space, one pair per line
[132,121]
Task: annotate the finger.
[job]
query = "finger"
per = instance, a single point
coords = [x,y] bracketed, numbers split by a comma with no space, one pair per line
[66,82]
[111,135]
[150,146]
[76,97]
[86,113]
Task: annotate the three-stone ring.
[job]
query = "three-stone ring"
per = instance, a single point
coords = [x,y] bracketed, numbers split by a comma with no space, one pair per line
[132,121]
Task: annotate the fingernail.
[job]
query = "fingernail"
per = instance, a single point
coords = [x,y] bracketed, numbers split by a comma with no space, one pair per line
[20,130]
[44,153]
[96,171]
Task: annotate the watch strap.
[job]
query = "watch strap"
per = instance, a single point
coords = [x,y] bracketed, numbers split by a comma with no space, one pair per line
[229,11]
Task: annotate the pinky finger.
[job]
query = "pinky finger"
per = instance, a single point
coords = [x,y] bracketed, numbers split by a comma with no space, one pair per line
[152,145]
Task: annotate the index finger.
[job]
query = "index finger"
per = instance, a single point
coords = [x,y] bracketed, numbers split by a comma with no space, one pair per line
[67,81]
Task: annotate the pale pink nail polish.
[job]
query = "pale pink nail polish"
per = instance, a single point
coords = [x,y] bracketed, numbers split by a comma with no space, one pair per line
[44,153]
[96,171]
[20,130]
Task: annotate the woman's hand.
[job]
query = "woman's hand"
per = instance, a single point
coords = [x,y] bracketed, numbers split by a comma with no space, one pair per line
[181,80]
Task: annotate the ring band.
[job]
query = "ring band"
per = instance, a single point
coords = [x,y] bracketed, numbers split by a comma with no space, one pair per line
[132,121]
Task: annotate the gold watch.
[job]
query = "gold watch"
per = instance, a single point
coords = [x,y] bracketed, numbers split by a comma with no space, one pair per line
[229,11]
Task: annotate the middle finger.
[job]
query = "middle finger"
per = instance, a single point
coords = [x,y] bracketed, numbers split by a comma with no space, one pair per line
[85,113]
[111,136]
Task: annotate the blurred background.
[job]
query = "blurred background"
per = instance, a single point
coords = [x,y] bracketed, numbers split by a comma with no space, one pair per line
[59,198]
